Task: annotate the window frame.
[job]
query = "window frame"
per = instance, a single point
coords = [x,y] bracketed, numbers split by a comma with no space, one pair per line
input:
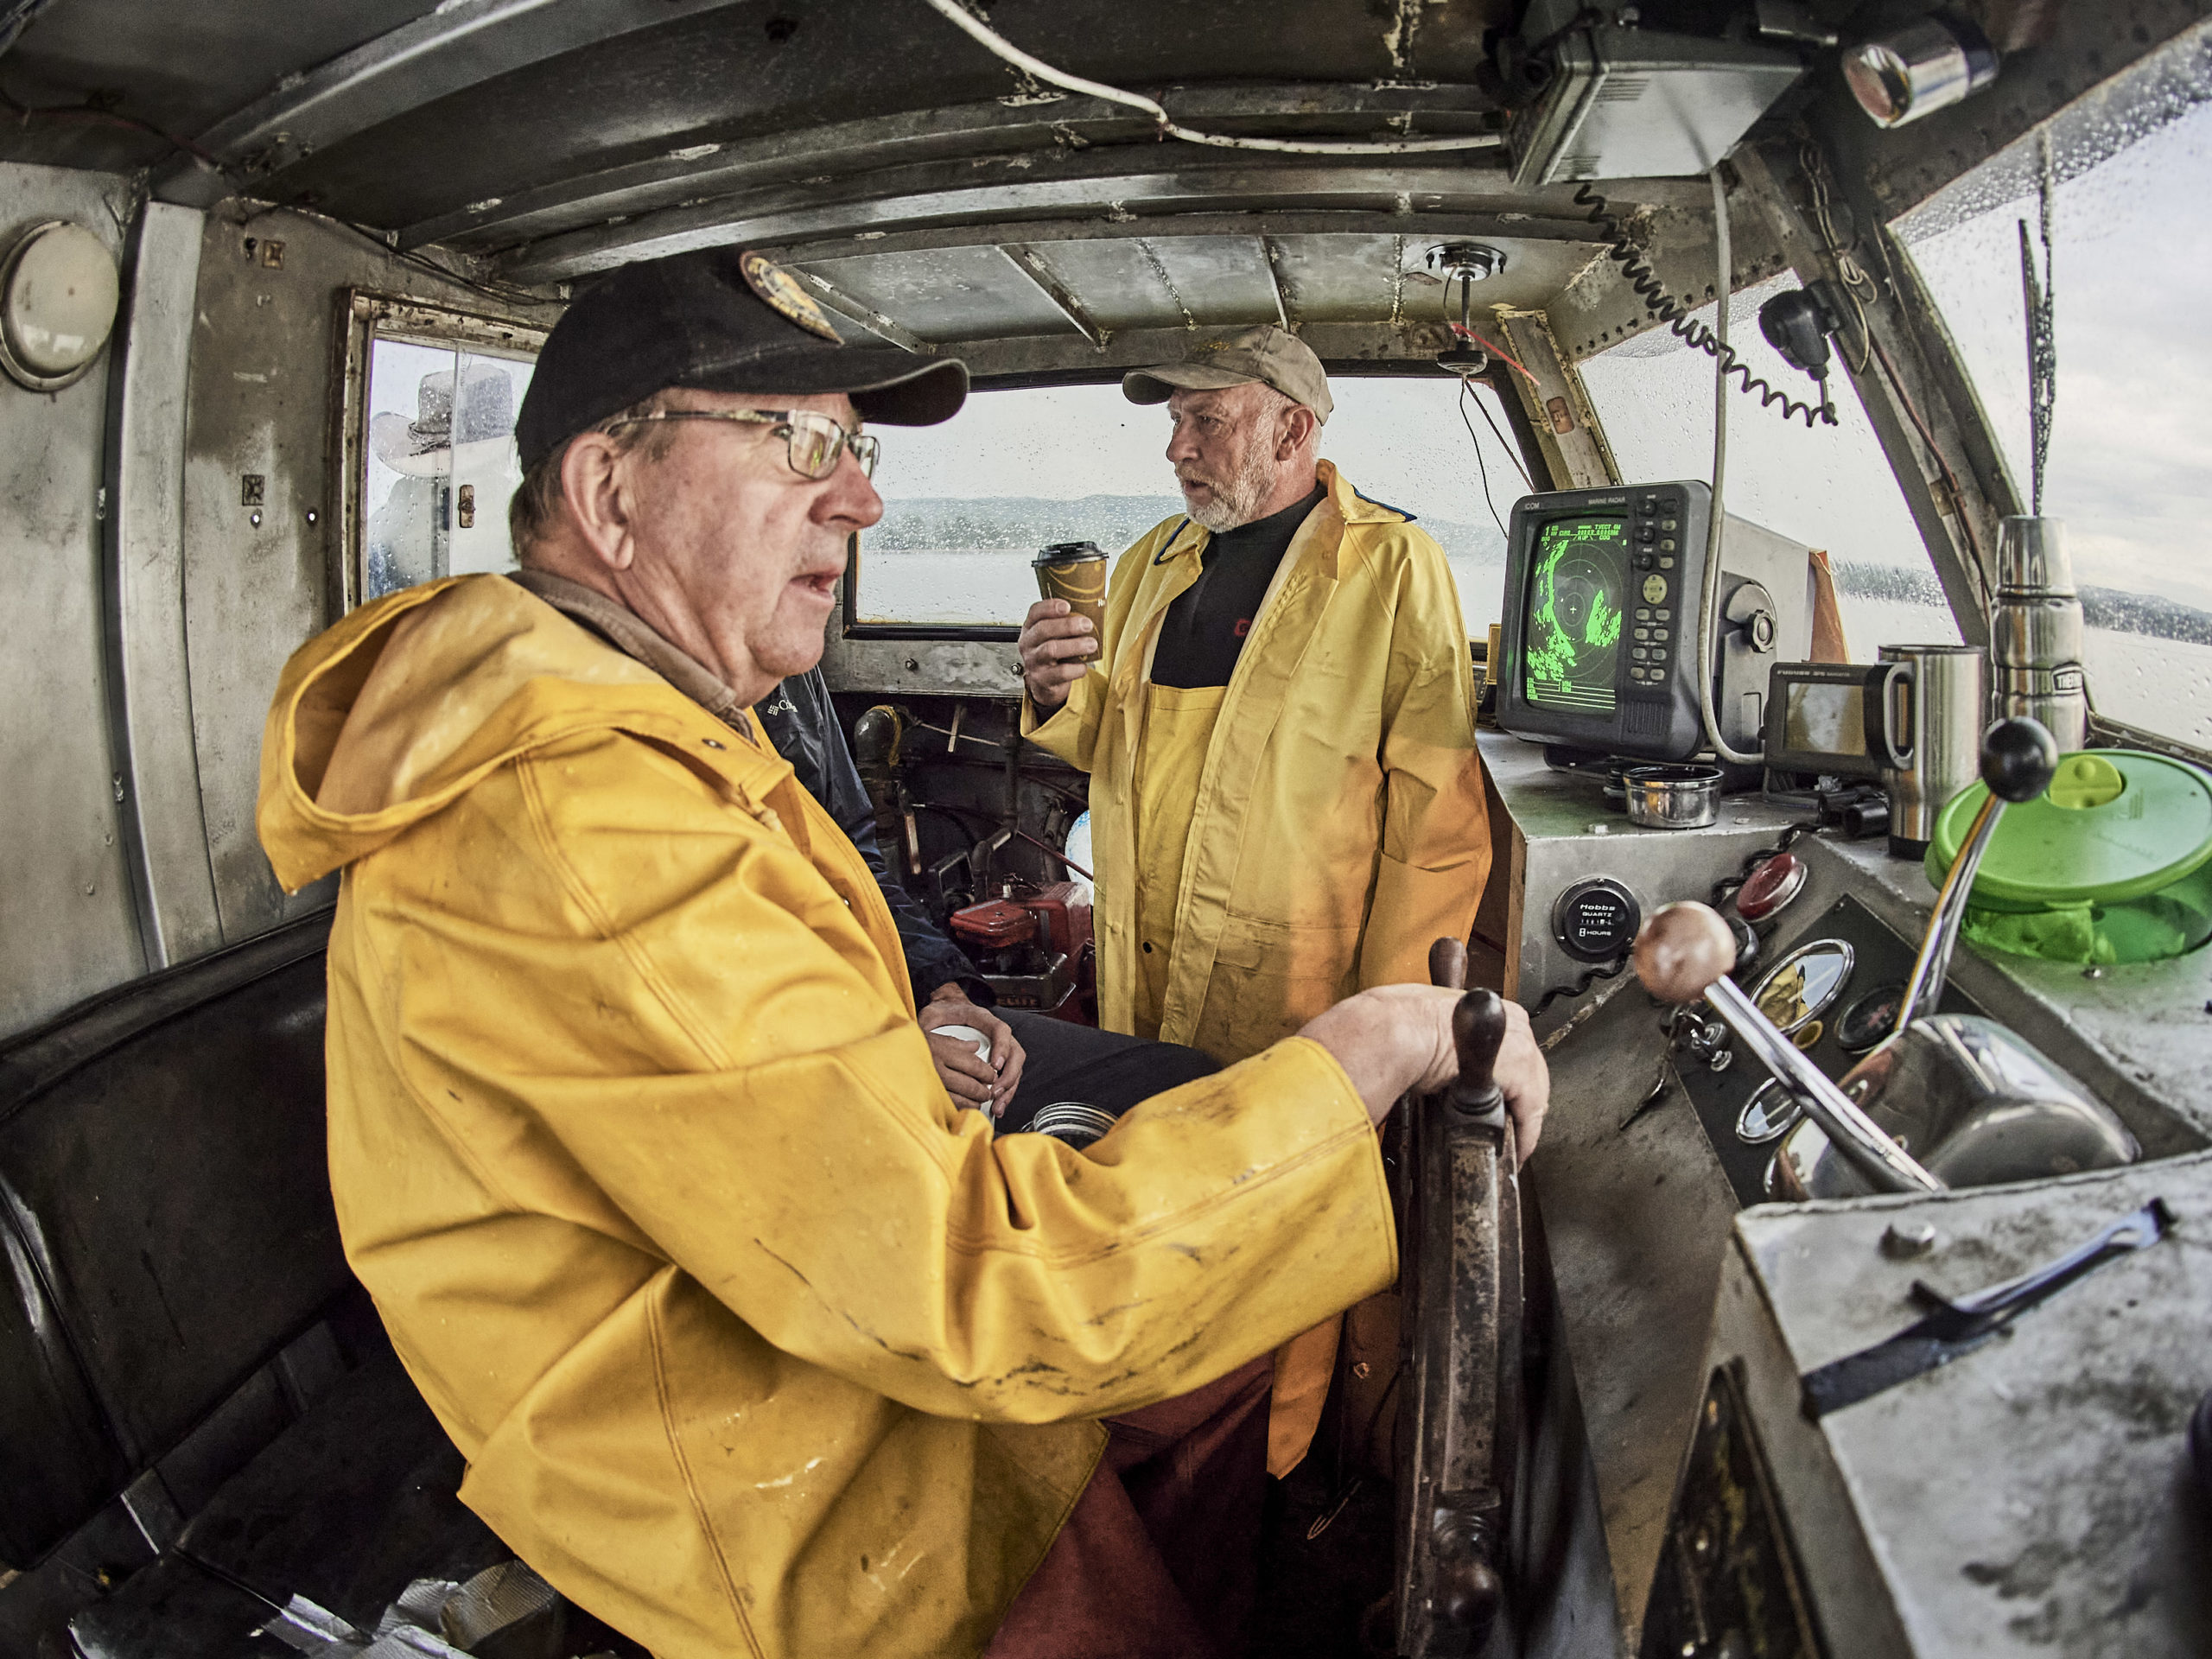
[366,316]
[1509,403]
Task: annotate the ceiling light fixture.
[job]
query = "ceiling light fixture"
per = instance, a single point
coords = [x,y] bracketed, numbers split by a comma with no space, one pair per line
[1926,67]
[58,294]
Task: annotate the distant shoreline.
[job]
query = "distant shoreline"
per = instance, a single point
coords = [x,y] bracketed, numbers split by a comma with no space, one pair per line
[2114,609]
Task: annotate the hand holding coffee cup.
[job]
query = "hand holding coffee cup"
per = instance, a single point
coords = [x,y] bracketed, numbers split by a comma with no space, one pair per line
[1061,635]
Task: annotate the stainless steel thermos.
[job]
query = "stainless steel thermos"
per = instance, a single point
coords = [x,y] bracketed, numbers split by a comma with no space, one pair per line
[1929,738]
[2035,633]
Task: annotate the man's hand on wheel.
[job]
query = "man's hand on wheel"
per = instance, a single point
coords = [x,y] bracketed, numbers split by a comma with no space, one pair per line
[968,1078]
[1394,1037]
[1055,650]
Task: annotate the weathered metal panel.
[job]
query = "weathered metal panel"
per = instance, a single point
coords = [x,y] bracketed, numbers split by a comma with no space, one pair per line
[150,686]
[2034,1496]
[954,294]
[257,576]
[67,917]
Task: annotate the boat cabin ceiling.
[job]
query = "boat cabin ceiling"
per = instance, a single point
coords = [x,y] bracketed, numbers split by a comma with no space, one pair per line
[933,194]
[319,214]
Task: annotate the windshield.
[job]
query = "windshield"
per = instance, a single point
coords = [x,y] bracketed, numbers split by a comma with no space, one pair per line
[1829,487]
[967,504]
[2130,467]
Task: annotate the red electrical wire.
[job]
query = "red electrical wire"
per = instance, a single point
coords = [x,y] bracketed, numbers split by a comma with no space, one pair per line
[1497,352]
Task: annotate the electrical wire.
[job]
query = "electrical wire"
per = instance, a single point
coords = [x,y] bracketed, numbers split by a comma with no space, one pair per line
[1492,346]
[1843,255]
[1467,390]
[505,292]
[1709,597]
[1855,277]
[1645,282]
[1511,454]
[1000,47]
[95,113]
[1046,847]
[967,816]
[1612,970]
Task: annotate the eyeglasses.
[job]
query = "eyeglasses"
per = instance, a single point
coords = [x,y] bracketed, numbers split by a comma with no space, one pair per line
[812,441]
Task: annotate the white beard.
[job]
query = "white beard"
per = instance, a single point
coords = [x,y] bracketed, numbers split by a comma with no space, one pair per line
[1237,500]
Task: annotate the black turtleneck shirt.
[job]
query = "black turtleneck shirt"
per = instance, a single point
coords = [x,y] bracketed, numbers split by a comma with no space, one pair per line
[1204,628]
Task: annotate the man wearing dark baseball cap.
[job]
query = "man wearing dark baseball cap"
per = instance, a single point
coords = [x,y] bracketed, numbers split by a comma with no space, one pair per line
[753,1342]
[1279,725]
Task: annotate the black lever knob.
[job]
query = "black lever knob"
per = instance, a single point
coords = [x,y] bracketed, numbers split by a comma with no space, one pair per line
[1477,1032]
[2018,758]
[1447,964]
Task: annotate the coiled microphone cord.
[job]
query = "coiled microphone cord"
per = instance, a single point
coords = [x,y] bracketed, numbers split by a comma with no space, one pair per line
[1645,282]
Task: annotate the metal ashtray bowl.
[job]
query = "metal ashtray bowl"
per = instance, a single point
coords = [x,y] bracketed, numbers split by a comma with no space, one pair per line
[1673,798]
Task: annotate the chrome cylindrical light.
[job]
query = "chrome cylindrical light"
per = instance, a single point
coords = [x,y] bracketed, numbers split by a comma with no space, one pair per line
[1926,67]
[2035,633]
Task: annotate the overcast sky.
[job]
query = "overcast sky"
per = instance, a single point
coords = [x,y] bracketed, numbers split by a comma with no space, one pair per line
[2131,453]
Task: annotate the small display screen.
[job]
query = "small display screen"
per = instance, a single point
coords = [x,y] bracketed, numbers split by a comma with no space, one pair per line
[1571,629]
[1823,719]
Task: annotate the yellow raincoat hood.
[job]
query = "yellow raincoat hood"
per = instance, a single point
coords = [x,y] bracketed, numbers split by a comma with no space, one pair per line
[753,1342]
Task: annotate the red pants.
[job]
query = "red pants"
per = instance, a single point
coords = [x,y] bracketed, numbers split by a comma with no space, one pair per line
[1161,1557]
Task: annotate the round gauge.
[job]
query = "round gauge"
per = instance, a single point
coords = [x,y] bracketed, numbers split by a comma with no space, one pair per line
[1768,1114]
[1596,919]
[58,294]
[1869,1020]
[1802,985]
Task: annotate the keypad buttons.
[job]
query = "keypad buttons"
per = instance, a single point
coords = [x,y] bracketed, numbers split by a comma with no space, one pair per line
[1655,590]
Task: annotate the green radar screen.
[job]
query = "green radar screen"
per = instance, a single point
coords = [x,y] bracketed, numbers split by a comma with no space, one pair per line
[1572,633]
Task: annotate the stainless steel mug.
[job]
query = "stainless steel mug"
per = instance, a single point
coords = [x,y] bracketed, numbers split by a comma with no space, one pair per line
[2035,633]
[1929,741]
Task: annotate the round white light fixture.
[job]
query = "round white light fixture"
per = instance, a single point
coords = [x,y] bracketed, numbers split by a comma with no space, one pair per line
[58,294]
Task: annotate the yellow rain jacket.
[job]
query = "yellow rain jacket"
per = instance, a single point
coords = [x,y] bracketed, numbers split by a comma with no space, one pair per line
[1336,823]
[1303,833]
[754,1345]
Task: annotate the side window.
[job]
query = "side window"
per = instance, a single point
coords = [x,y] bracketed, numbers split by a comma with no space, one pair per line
[1828,487]
[966,504]
[431,437]
[2130,464]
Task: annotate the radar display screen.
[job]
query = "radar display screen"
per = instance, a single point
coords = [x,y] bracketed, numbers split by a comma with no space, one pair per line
[1571,633]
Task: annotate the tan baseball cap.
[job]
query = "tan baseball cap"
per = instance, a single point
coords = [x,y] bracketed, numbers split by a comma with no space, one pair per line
[1269,354]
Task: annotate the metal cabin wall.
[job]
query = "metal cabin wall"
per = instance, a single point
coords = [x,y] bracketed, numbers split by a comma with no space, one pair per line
[67,920]
[147,615]
[264,345]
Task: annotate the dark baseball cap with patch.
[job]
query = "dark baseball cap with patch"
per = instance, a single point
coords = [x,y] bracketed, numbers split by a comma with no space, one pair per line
[715,319]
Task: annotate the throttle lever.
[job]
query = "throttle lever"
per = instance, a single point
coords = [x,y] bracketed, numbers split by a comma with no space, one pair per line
[1684,952]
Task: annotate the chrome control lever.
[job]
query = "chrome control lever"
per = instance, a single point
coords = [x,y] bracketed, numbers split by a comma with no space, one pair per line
[1684,953]
[2018,759]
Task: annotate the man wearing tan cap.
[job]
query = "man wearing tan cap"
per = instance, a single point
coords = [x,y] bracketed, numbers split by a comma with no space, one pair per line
[1279,727]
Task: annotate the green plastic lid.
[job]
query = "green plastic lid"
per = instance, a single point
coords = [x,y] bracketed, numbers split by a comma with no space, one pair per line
[2115,824]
